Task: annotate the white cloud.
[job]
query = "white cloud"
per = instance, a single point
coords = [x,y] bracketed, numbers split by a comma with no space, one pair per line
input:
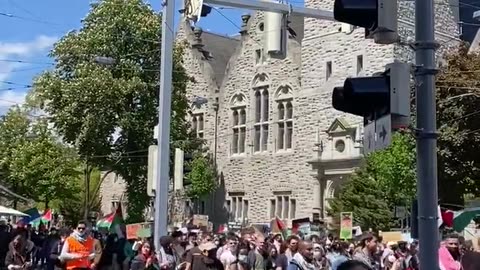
[11,98]
[19,51]
[22,51]
[39,44]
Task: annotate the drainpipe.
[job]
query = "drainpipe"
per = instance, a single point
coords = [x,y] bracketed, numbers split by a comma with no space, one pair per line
[215,108]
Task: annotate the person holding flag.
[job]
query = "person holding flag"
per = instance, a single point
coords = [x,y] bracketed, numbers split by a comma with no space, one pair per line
[78,251]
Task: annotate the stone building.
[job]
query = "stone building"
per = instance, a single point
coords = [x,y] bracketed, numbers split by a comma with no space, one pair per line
[112,192]
[279,146]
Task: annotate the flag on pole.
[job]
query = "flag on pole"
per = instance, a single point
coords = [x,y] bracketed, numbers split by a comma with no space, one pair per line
[47,216]
[459,220]
[33,215]
[44,219]
[111,220]
[277,226]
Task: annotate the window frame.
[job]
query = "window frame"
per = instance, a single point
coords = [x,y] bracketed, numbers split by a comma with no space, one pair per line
[241,128]
[283,206]
[285,123]
[261,114]
[199,133]
[241,213]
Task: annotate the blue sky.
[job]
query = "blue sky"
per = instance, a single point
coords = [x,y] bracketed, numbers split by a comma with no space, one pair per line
[31,27]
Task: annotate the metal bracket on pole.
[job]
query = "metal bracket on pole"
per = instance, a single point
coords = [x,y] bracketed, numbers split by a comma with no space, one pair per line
[274,7]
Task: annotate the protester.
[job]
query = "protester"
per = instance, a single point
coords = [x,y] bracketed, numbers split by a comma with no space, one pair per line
[208,256]
[54,261]
[145,259]
[449,253]
[78,251]
[228,257]
[303,259]
[19,255]
[287,250]
[368,248]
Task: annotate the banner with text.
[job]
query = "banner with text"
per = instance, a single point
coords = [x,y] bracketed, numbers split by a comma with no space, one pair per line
[346,225]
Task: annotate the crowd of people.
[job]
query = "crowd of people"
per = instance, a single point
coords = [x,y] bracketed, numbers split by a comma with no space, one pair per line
[184,249]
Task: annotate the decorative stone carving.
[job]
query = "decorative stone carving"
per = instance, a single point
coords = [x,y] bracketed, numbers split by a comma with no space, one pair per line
[260,80]
[284,92]
[238,100]
[197,42]
[245,19]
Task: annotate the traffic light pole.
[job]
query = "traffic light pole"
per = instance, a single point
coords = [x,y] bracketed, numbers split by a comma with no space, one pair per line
[164,105]
[165,94]
[425,47]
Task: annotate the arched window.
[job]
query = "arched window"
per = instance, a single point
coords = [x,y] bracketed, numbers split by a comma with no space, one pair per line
[284,101]
[197,124]
[239,121]
[261,108]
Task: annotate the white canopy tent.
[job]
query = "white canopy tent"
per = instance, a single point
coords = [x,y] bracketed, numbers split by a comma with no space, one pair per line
[11,212]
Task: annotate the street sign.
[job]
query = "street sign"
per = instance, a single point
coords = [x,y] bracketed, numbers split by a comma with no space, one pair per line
[152,170]
[377,135]
[383,129]
[369,139]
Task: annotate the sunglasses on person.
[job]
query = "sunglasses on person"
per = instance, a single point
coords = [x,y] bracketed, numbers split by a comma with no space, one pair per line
[81,228]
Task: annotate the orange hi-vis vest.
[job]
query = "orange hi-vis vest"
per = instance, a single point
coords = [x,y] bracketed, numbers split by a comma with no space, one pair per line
[76,247]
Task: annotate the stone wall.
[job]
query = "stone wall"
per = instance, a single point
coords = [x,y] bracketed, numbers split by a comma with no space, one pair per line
[112,190]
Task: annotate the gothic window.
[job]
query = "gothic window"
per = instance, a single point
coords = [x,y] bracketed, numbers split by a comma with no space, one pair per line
[239,124]
[261,107]
[285,125]
[284,101]
[197,124]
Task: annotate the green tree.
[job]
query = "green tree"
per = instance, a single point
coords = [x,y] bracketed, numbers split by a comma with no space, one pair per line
[33,162]
[458,95]
[14,126]
[45,166]
[386,179]
[395,170]
[201,177]
[72,208]
[108,112]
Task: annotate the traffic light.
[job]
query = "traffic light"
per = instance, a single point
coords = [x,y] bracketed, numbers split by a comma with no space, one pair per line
[205,10]
[377,96]
[378,17]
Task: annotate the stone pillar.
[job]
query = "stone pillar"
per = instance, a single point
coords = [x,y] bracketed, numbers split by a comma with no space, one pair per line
[317,197]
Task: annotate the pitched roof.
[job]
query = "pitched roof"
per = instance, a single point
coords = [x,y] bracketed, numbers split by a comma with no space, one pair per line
[221,49]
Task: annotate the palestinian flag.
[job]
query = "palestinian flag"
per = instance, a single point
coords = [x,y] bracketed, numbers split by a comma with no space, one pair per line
[277,226]
[110,221]
[459,220]
[222,229]
[44,219]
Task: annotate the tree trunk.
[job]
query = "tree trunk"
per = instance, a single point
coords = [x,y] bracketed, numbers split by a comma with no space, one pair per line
[46,204]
